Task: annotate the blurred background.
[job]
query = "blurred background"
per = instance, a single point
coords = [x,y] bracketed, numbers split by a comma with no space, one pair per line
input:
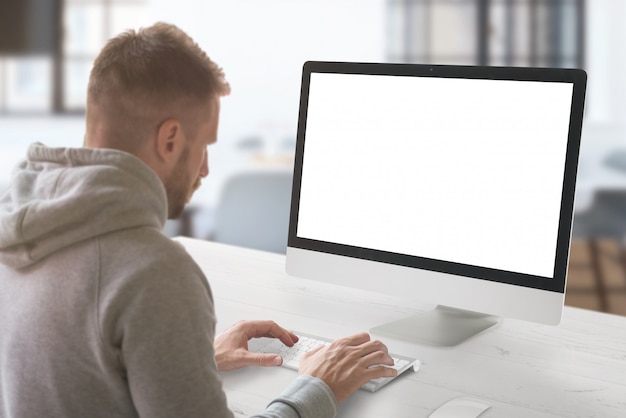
[47,48]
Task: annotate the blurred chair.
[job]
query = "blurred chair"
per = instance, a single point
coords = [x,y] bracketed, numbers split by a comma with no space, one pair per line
[253,211]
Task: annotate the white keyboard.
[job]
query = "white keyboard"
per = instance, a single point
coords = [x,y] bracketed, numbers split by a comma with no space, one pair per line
[291,356]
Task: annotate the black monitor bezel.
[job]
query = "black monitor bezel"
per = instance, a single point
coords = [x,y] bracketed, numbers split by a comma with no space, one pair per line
[577,77]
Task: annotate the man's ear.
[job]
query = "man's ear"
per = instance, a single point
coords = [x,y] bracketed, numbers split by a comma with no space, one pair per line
[170,141]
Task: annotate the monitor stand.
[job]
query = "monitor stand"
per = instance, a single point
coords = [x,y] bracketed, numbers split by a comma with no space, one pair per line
[442,326]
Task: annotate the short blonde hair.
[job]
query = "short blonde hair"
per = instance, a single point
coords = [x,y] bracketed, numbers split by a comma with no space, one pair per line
[154,72]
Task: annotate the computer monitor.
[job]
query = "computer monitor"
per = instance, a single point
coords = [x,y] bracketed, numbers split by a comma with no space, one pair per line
[448,185]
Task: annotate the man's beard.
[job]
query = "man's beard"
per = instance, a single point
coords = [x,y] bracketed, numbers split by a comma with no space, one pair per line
[196,185]
[179,192]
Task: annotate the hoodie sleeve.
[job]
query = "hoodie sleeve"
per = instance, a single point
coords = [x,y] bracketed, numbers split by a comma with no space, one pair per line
[306,397]
[158,323]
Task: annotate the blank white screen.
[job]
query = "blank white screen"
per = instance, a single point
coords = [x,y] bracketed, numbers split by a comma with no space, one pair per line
[461,170]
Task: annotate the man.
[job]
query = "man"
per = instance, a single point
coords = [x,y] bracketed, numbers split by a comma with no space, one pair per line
[101,315]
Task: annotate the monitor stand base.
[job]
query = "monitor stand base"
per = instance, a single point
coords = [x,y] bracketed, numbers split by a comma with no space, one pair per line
[442,327]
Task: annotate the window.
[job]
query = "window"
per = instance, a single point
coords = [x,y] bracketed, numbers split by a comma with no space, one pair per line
[88,25]
[25,84]
[57,83]
[538,33]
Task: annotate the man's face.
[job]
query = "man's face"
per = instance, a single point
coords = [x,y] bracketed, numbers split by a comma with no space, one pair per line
[193,164]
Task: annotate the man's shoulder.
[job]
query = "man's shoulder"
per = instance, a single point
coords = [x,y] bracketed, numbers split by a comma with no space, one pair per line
[148,255]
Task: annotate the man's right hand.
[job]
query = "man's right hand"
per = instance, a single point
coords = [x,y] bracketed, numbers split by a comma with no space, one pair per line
[348,363]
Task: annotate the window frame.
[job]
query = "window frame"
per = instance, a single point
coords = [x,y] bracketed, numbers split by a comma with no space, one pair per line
[483,52]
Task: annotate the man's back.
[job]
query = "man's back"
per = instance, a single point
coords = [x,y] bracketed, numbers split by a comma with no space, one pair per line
[51,357]
[98,307]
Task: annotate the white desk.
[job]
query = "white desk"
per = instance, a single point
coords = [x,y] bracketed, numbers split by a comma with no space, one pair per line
[524,370]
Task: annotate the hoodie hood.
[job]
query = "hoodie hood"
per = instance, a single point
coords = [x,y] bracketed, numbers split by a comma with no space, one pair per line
[61,196]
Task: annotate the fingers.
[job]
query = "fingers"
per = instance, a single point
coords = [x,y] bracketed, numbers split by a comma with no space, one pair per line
[377,372]
[379,363]
[348,363]
[239,358]
[361,349]
[286,337]
[268,360]
[374,359]
[372,351]
[257,329]
[356,339]
[231,346]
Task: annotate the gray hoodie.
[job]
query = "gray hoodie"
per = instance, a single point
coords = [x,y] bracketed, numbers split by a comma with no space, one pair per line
[101,315]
